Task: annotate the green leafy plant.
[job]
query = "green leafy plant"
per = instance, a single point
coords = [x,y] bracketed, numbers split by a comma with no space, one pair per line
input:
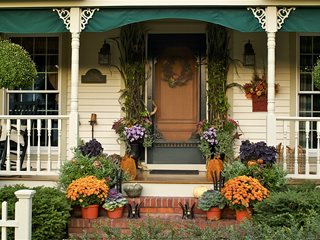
[50,211]
[316,75]
[80,166]
[211,198]
[17,70]
[234,169]
[284,208]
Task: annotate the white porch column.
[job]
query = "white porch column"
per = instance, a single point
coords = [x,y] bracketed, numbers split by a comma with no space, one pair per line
[271,28]
[75,22]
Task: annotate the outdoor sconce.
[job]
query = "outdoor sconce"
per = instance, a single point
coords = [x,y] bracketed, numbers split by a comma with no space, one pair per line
[105,54]
[248,55]
[93,121]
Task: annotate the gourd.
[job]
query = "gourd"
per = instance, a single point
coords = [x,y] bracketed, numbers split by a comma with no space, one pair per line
[214,168]
[251,163]
[128,165]
[133,190]
[198,191]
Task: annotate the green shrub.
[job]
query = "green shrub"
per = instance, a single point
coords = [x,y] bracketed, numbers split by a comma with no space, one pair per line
[82,166]
[284,208]
[50,212]
[17,70]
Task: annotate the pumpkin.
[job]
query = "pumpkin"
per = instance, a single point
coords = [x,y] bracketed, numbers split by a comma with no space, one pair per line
[198,191]
[251,163]
[128,164]
[214,168]
[133,190]
[260,161]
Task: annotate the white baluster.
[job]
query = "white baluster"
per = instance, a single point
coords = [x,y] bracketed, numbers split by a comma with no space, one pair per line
[285,140]
[8,145]
[38,147]
[59,143]
[307,172]
[49,144]
[4,218]
[318,148]
[18,144]
[296,137]
[29,144]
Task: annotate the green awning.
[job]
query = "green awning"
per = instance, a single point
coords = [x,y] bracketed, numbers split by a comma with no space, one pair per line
[303,20]
[235,18]
[30,21]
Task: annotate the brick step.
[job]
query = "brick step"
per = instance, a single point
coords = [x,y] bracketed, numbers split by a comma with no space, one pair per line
[163,208]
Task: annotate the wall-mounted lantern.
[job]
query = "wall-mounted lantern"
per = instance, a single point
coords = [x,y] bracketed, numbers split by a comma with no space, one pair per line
[105,54]
[248,55]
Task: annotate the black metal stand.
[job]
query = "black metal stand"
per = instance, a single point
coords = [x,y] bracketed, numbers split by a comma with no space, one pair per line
[92,123]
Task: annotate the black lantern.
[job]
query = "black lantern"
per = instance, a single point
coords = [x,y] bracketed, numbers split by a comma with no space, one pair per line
[248,55]
[105,54]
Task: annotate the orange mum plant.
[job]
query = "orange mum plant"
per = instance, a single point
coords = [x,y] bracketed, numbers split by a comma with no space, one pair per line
[243,191]
[87,191]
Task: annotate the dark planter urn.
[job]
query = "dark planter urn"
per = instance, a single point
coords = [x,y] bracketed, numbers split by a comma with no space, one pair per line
[136,151]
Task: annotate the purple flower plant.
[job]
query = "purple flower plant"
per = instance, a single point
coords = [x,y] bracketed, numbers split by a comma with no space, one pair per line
[135,132]
[210,136]
[114,194]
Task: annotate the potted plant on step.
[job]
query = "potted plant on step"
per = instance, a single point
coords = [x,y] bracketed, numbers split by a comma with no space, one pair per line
[88,192]
[114,204]
[241,193]
[212,202]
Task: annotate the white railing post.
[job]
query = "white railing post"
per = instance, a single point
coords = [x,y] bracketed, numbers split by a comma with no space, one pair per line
[296,139]
[318,148]
[29,145]
[307,129]
[285,140]
[8,130]
[4,218]
[23,214]
[39,143]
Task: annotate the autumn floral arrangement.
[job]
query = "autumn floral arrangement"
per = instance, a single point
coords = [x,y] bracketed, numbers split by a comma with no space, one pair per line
[243,191]
[208,138]
[87,191]
[258,86]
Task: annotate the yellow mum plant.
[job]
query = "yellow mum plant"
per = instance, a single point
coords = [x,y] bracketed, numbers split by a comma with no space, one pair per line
[87,191]
[243,191]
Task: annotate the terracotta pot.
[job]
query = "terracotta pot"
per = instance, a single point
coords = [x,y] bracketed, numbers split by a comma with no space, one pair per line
[90,212]
[116,213]
[242,215]
[214,213]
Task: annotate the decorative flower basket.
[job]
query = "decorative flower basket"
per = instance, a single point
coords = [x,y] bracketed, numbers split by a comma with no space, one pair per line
[259,103]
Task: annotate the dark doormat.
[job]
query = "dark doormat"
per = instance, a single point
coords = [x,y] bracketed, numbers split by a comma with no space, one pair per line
[186,172]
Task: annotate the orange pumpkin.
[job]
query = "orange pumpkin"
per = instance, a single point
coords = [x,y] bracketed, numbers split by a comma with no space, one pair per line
[251,163]
[214,168]
[260,161]
[128,165]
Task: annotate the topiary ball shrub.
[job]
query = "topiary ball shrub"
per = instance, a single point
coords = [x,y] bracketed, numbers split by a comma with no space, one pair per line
[17,70]
[50,212]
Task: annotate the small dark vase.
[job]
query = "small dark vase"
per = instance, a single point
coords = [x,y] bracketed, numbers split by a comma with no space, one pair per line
[136,151]
[213,151]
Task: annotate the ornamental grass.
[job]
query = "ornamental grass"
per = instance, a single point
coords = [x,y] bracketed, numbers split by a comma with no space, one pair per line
[87,191]
[243,191]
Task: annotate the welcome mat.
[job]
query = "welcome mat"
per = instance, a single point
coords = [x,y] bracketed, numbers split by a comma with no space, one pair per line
[173,172]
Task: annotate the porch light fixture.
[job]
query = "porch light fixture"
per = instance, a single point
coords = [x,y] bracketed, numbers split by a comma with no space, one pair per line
[248,55]
[105,54]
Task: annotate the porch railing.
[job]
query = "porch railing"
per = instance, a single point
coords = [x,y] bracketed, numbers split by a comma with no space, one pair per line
[298,148]
[42,157]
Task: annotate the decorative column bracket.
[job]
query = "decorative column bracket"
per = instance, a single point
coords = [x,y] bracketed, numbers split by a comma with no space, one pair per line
[260,14]
[282,14]
[64,14]
[86,15]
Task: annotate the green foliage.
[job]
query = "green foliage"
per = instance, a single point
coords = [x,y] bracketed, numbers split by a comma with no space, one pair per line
[316,75]
[211,198]
[226,143]
[286,208]
[50,211]
[132,69]
[234,169]
[82,166]
[17,70]
[159,230]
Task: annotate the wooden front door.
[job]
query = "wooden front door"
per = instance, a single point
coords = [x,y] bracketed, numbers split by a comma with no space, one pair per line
[176,93]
